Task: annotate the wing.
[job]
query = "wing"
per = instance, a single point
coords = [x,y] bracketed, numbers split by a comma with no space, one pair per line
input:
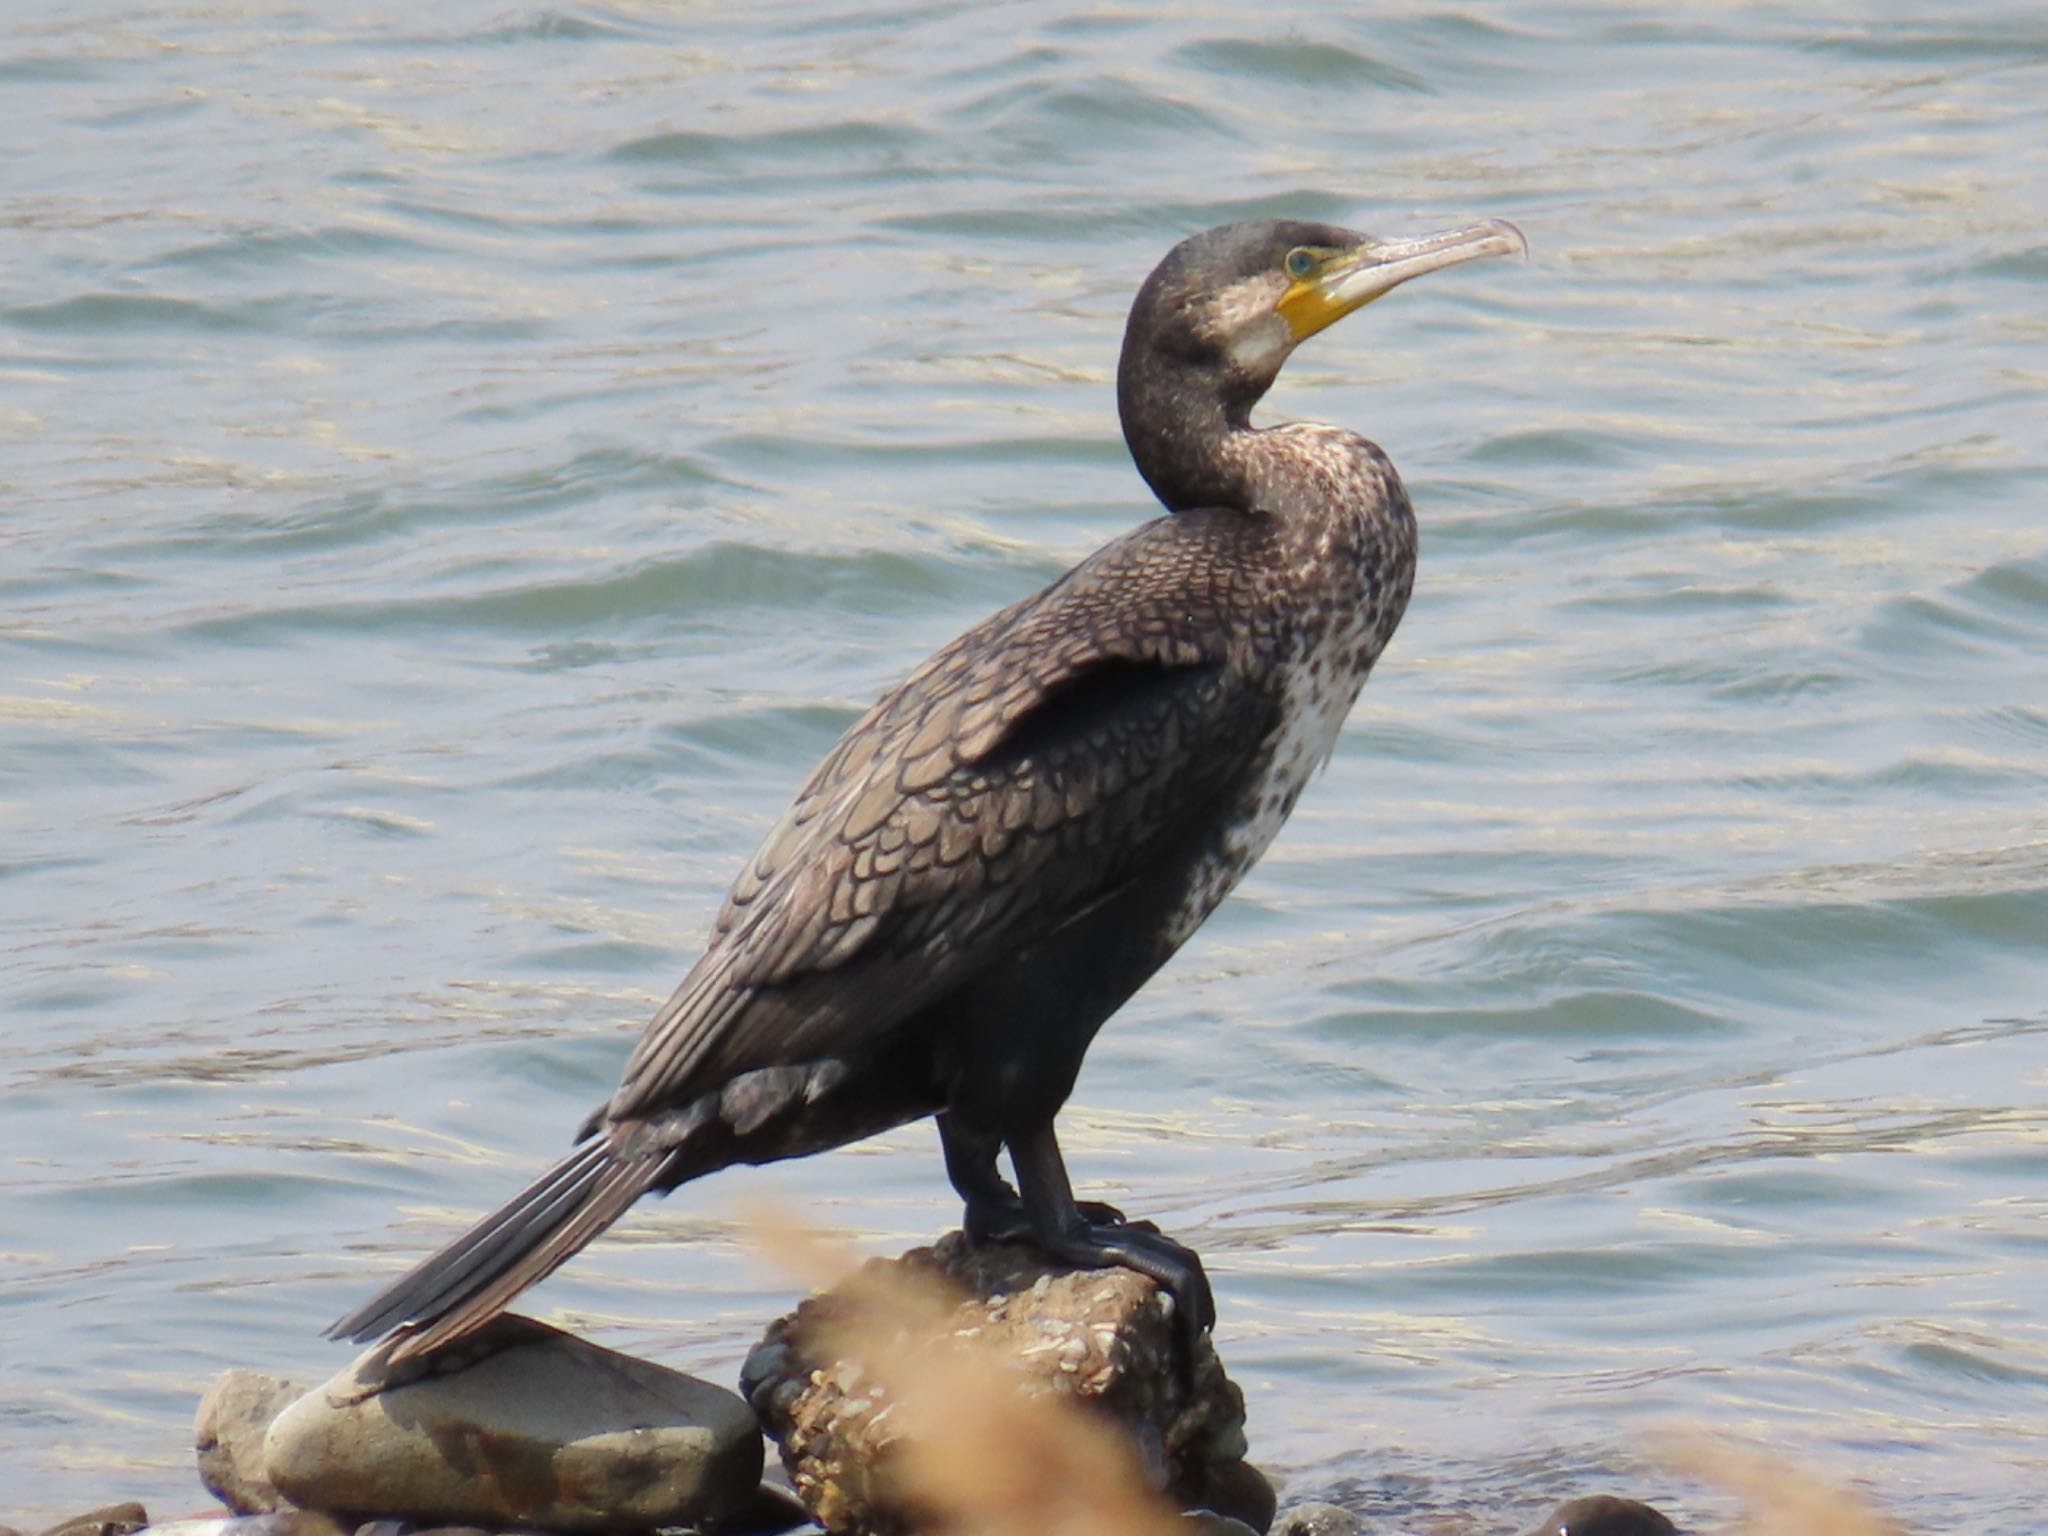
[1026,772]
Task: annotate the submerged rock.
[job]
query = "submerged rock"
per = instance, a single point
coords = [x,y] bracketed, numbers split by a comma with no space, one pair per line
[1603,1514]
[228,1431]
[1317,1519]
[111,1520]
[518,1425]
[1103,1338]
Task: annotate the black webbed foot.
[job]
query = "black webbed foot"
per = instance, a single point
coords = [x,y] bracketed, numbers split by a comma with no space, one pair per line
[1142,1246]
[1069,1233]
[1005,1221]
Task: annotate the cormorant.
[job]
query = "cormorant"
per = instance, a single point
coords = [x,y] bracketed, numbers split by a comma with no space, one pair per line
[1005,847]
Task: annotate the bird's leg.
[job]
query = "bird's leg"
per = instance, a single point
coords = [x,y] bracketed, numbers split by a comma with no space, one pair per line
[1063,1230]
[995,1211]
[993,1207]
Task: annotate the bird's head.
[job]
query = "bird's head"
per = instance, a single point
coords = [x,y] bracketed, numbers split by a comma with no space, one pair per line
[1218,317]
[1233,302]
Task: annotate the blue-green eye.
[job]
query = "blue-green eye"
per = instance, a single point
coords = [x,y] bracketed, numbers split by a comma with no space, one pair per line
[1300,261]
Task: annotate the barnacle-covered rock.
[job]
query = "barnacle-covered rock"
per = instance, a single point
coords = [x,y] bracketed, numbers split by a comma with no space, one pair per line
[1103,1338]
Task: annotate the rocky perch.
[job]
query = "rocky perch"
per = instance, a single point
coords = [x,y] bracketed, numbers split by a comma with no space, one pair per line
[927,1392]
[1102,1339]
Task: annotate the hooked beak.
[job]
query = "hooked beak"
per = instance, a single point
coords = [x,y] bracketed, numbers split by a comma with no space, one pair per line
[1353,278]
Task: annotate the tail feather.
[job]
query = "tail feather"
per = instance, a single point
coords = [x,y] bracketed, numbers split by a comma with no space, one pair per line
[441,1278]
[470,1281]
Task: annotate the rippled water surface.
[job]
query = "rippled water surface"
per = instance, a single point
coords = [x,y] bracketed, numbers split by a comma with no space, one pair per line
[460,464]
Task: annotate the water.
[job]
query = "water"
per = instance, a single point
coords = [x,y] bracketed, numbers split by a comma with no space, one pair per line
[462,464]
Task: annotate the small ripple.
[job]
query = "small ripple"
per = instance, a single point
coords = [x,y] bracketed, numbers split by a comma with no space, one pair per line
[102,313]
[364,517]
[1999,609]
[1068,218]
[2009,723]
[1662,594]
[267,248]
[1297,63]
[1951,1353]
[2030,264]
[374,823]
[1993,41]
[778,733]
[718,578]
[1590,1014]
[585,26]
[1067,114]
[50,69]
[814,147]
[1549,447]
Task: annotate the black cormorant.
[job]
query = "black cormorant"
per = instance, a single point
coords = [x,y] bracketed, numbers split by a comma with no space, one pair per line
[1008,845]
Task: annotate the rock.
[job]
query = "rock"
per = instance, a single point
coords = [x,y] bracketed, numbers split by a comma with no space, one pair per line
[1317,1520]
[228,1434]
[1206,1522]
[111,1520]
[773,1511]
[1102,1338]
[1603,1514]
[518,1425]
[1240,1491]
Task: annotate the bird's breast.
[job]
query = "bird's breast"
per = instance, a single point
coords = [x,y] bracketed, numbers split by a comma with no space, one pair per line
[1341,625]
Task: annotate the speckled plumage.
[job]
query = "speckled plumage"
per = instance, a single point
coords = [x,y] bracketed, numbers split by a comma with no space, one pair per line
[1008,844]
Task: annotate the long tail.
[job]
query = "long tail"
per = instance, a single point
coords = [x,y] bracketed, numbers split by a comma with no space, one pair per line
[473,1279]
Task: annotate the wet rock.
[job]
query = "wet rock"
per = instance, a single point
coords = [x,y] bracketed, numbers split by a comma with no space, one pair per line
[1206,1522]
[1317,1520]
[1604,1515]
[228,1432]
[518,1425]
[110,1520]
[773,1511]
[1103,1338]
[1240,1491]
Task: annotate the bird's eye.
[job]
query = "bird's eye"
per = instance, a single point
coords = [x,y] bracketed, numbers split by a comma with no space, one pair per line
[1300,261]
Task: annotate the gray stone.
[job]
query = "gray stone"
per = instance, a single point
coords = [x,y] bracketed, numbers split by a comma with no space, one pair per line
[110,1520]
[228,1434]
[1317,1520]
[1206,1522]
[518,1425]
[1102,1338]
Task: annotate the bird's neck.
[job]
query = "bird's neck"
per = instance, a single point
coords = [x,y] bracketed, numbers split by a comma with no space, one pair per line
[1191,443]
